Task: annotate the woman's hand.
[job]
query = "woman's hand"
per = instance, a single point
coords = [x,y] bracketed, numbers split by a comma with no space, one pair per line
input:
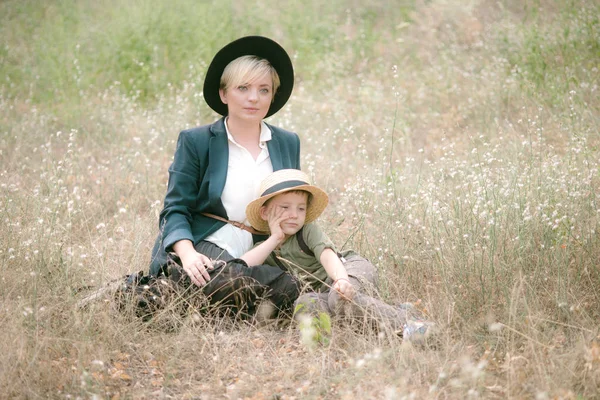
[344,288]
[197,265]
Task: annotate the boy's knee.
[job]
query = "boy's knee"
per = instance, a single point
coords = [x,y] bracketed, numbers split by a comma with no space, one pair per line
[361,271]
[339,306]
[335,302]
[311,303]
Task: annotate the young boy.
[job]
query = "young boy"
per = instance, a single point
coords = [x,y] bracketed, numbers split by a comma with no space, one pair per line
[339,284]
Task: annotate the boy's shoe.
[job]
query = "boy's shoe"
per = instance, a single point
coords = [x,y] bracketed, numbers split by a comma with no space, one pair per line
[420,332]
[417,329]
[414,329]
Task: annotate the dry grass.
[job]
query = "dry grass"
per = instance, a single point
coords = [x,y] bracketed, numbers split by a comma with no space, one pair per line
[461,155]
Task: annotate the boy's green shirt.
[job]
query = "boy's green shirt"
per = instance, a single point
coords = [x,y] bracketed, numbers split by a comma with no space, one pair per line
[306,267]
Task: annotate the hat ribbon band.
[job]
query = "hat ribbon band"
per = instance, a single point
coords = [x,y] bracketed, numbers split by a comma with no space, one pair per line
[283,185]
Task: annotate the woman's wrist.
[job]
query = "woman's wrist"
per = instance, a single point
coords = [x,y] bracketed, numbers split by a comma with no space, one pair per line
[183,246]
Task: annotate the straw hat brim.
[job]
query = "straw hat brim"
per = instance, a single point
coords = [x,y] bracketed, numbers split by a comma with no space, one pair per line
[316,206]
[250,45]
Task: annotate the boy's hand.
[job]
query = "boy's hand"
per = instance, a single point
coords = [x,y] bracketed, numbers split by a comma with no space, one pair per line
[344,288]
[275,218]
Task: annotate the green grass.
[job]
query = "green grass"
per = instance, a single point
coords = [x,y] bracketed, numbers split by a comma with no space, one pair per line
[58,49]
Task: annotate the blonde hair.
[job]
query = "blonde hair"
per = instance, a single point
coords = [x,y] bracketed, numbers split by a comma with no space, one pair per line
[246,69]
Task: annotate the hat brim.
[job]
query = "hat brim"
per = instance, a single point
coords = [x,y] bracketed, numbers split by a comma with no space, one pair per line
[250,45]
[317,205]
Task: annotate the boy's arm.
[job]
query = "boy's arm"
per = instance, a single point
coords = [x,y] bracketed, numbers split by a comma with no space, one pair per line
[336,271]
[258,254]
[333,265]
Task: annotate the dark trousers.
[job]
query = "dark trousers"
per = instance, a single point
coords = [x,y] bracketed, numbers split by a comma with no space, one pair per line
[236,286]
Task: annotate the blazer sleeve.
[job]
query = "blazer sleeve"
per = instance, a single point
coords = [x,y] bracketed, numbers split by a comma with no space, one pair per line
[185,173]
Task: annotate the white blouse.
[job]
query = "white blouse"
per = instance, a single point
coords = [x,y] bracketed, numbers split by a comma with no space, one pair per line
[244,175]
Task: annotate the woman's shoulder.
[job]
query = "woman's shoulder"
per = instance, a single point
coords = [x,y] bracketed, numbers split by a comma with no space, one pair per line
[277,131]
[203,132]
[287,139]
[212,128]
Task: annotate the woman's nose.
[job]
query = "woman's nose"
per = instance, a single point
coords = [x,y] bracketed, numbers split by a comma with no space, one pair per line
[253,94]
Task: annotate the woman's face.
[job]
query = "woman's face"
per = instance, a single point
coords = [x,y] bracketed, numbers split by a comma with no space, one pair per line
[249,101]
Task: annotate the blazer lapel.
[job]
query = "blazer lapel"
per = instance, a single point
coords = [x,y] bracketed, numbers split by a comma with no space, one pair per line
[217,163]
[275,152]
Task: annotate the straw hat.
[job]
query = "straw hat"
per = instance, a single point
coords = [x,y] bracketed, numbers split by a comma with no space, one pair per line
[249,46]
[282,181]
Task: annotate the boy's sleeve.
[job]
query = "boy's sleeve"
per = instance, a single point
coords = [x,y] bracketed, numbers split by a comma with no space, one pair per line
[316,239]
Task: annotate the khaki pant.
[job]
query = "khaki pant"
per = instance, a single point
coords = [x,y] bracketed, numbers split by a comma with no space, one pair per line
[363,306]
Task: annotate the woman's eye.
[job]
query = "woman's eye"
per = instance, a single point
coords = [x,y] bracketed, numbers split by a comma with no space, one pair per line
[242,88]
[264,91]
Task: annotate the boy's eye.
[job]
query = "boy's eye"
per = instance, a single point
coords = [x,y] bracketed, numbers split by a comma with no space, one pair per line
[284,207]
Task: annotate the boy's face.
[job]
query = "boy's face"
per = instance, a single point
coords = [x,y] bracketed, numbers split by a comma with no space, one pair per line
[292,205]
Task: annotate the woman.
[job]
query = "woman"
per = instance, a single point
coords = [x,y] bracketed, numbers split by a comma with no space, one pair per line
[218,168]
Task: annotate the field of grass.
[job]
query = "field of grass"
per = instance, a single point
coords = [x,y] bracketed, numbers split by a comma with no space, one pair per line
[459,142]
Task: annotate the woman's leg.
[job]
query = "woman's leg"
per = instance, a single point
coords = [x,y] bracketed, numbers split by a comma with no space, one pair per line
[234,283]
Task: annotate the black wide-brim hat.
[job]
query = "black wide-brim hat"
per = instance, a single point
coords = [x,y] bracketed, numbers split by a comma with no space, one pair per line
[250,45]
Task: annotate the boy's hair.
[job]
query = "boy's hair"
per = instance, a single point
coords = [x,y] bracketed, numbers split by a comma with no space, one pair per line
[308,198]
[246,69]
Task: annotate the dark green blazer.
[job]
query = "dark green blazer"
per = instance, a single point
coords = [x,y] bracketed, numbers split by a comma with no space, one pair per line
[196,181]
